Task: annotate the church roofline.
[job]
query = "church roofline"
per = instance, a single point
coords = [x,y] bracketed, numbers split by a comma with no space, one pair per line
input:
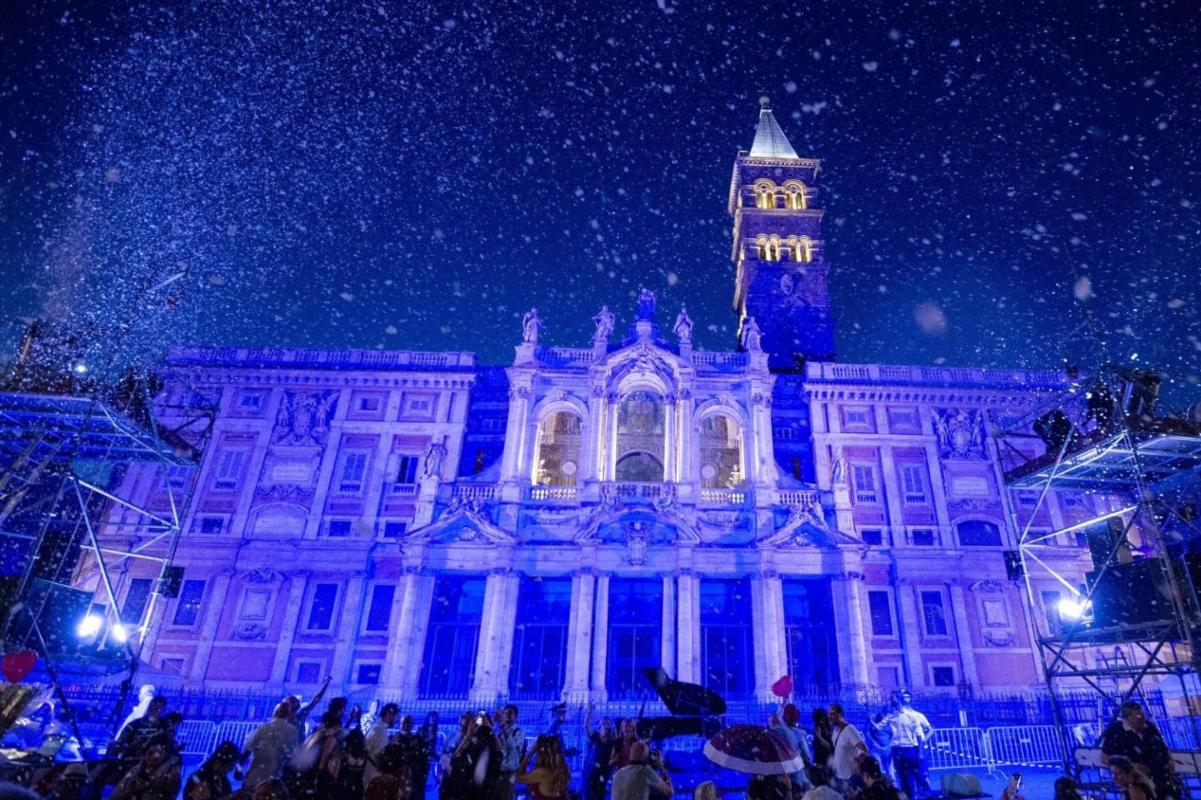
[300,358]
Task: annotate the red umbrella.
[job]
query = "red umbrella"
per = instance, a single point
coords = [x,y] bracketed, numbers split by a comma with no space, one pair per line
[754,750]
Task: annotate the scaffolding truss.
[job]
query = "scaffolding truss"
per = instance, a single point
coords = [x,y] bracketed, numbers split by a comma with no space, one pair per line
[1135,621]
[62,463]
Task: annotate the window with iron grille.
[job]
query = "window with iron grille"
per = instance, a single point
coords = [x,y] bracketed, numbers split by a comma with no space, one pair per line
[864,479]
[934,615]
[913,483]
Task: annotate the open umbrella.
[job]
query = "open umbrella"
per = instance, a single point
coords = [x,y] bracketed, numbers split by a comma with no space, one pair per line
[754,750]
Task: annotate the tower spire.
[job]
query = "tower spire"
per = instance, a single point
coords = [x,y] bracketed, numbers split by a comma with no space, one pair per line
[770,141]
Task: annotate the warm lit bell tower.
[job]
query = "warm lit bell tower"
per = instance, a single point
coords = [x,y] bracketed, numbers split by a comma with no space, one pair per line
[781,279]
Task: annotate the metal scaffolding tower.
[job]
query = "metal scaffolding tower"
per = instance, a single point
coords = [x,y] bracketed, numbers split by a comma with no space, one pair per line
[1140,599]
[62,463]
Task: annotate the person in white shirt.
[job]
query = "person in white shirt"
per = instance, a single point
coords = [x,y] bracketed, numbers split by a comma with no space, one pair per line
[848,743]
[910,729]
[377,739]
[270,747]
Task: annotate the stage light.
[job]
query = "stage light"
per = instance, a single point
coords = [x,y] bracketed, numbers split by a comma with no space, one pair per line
[1073,608]
[119,634]
[89,626]
[80,368]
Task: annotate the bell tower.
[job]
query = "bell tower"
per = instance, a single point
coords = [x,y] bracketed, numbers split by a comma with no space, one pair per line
[781,278]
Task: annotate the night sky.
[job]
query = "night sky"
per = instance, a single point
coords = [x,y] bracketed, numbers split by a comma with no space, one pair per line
[416,175]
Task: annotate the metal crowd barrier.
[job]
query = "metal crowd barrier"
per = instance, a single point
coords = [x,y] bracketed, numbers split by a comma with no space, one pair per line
[1026,745]
[957,748]
[197,737]
[236,732]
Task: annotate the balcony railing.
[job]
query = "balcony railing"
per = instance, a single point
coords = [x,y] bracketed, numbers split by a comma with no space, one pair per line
[724,497]
[475,491]
[402,489]
[798,497]
[568,494]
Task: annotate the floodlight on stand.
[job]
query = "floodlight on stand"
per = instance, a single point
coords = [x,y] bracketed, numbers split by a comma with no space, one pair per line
[119,633]
[89,626]
[1074,608]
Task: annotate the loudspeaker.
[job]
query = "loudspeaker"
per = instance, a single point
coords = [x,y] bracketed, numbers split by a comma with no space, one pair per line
[171,582]
[1102,538]
[1131,594]
[1014,569]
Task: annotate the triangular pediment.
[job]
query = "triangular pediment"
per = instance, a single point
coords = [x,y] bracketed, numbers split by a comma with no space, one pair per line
[462,524]
[806,526]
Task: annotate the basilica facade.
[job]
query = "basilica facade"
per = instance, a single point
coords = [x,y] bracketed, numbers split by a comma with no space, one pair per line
[420,525]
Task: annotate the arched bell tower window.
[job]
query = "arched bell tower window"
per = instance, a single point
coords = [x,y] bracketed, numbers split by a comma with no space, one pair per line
[557,460]
[765,195]
[795,197]
[767,248]
[641,429]
[802,249]
[721,452]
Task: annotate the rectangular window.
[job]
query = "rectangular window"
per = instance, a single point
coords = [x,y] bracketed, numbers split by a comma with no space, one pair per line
[308,671]
[889,677]
[864,479]
[321,607]
[540,641]
[353,471]
[379,612]
[250,401]
[406,469]
[177,476]
[369,403]
[229,470]
[338,528]
[923,537]
[726,645]
[211,526]
[635,619]
[880,605]
[856,419]
[395,530]
[934,615]
[172,665]
[453,636]
[809,645]
[135,600]
[368,674]
[1050,598]
[978,533]
[942,676]
[913,483]
[187,607]
[872,536]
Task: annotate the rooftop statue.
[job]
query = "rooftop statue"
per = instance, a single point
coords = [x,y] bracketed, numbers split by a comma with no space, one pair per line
[683,326]
[605,320]
[646,305]
[531,325]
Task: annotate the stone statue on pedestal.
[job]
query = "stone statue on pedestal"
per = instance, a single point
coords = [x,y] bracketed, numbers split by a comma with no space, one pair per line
[605,322]
[531,325]
[683,327]
[751,336]
[435,455]
[646,305]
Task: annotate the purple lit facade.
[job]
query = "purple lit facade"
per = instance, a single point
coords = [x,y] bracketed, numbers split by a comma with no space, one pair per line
[416,524]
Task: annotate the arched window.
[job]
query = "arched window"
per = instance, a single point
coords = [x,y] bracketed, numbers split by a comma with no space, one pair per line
[641,428]
[721,452]
[795,197]
[767,248]
[765,195]
[557,460]
[800,249]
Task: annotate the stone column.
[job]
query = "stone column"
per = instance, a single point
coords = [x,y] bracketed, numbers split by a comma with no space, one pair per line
[579,636]
[767,621]
[491,662]
[507,631]
[889,484]
[963,636]
[592,446]
[347,633]
[400,635]
[850,613]
[688,628]
[600,638]
[609,464]
[913,634]
[216,603]
[667,634]
[669,438]
[938,490]
[287,632]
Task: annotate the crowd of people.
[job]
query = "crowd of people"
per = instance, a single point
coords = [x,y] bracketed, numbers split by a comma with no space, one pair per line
[378,754]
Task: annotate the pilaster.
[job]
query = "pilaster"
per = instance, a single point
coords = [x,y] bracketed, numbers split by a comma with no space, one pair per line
[579,635]
[913,634]
[688,628]
[963,636]
[600,638]
[217,599]
[287,633]
[347,633]
[667,635]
